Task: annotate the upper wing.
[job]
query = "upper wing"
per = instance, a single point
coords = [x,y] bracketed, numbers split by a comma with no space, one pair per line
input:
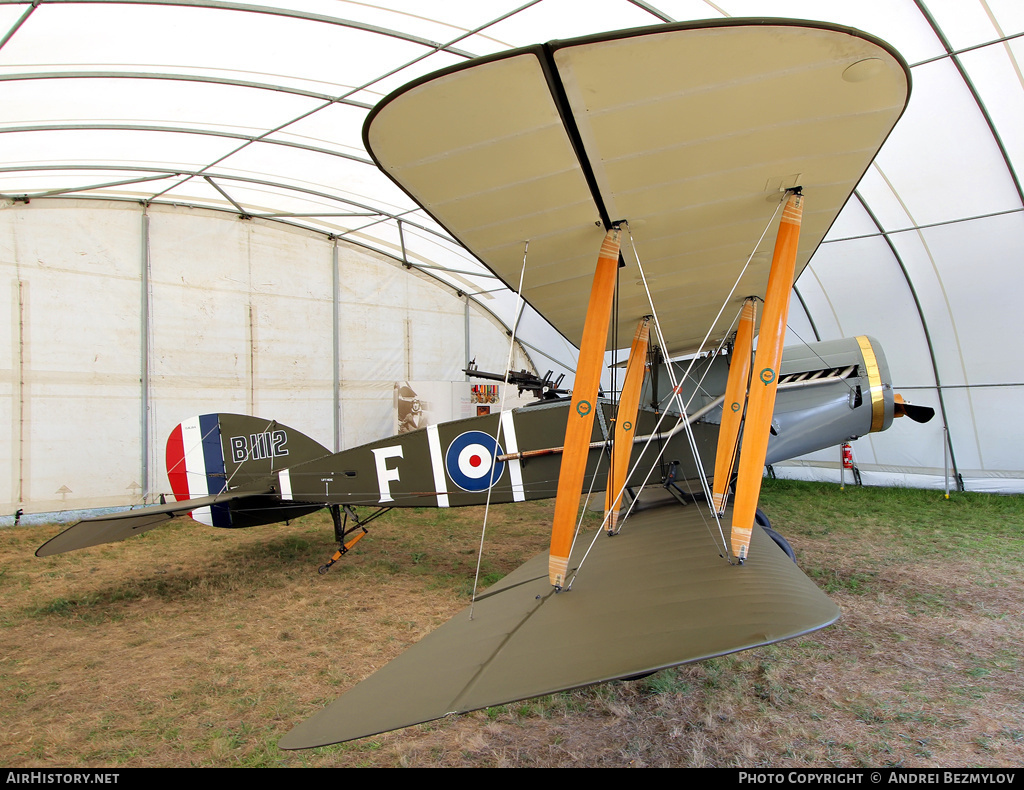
[687,131]
[655,596]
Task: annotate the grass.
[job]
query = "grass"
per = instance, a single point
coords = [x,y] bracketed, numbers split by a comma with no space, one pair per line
[190,646]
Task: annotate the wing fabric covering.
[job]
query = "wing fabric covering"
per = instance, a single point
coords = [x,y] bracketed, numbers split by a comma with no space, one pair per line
[687,132]
[655,596]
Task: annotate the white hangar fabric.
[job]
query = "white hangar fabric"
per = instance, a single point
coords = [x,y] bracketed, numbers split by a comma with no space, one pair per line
[188,208]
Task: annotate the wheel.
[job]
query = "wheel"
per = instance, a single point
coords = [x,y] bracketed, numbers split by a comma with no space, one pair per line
[641,676]
[761,519]
[780,541]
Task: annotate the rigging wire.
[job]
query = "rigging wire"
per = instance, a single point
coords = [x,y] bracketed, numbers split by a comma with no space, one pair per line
[698,388]
[656,432]
[238,468]
[497,433]
[583,513]
[714,355]
[676,387]
[650,438]
[608,431]
[676,390]
[735,285]
[810,347]
[662,448]
[629,509]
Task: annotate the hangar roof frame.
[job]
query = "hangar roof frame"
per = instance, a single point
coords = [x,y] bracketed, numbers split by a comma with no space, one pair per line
[310,70]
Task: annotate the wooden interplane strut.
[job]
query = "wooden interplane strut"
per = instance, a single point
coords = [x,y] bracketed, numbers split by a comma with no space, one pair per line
[765,379]
[580,422]
[625,422]
[734,404]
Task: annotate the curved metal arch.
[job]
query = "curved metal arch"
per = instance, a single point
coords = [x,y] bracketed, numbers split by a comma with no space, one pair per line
[346,235]
[427,271]
[168,76]
[266,10]
[206,171]
[105,185]
[972,48]
[380,77]
[171,172]
[920,314]
[201,131]
[807,313]
[650,9]
[927,225]
[924,327]
[389,216]
[17,25]
[954,56]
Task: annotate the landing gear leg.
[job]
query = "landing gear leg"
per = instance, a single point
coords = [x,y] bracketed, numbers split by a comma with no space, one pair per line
[341,531]
[670,485]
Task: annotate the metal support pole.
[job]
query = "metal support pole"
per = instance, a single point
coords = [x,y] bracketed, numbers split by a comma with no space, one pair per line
[945,457]
[21,328]
[336,313]
[466,366]
[144,363]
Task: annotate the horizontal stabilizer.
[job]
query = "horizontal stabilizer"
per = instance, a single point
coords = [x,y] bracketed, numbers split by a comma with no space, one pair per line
[655,596]
[118,526]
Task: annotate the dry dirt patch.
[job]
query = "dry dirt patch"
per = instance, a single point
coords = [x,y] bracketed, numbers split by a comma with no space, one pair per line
[190,646]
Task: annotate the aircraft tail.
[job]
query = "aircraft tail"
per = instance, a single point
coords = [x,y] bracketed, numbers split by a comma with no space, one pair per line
[220,453]
[223,472]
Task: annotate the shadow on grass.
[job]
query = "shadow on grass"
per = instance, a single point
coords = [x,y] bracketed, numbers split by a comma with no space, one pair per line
[186,564]
[257,566]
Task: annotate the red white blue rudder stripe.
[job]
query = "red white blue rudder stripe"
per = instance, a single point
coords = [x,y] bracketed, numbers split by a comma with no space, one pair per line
[195,466]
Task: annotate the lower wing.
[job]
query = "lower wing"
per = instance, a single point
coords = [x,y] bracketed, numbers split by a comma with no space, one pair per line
[657,595]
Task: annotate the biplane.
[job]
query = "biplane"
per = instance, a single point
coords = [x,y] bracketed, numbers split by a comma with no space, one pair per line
[625,185]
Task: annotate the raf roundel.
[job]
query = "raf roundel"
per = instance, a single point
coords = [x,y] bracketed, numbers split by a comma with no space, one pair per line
[470,459]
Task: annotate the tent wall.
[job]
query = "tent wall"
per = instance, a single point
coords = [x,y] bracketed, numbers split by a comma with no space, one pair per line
[122,321]
[950,339]
[925,257]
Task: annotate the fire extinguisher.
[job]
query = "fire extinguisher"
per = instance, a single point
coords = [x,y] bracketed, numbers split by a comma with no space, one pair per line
[846,453]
